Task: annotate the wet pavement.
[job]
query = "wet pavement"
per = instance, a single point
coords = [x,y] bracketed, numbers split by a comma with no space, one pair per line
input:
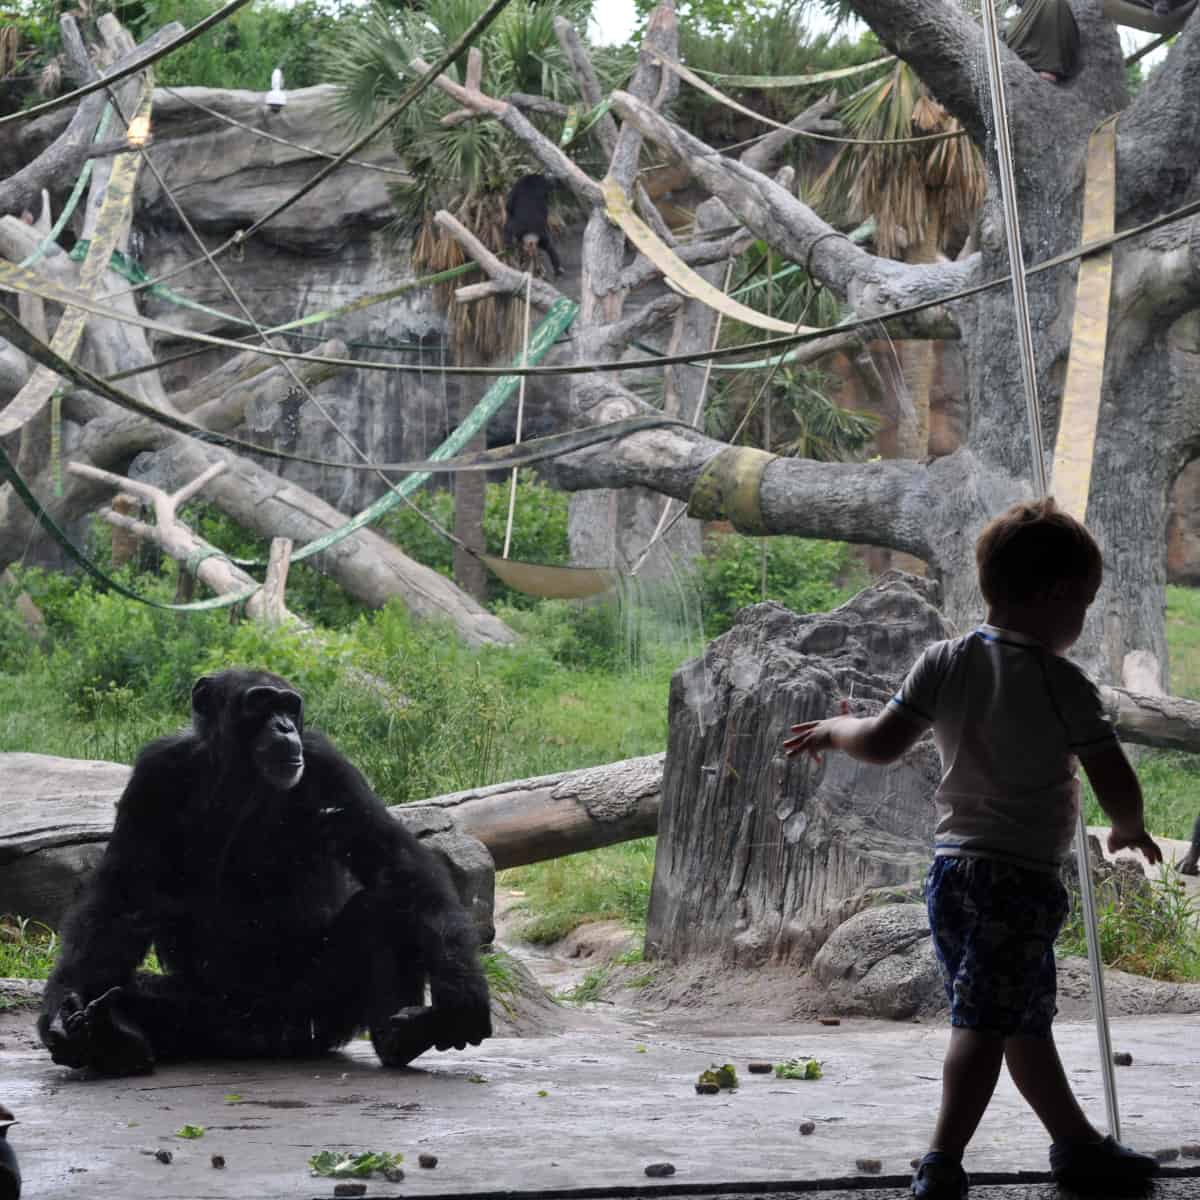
[587,1109]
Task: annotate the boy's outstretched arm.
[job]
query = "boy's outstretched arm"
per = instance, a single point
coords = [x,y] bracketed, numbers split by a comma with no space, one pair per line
[1120,795]
[879,739]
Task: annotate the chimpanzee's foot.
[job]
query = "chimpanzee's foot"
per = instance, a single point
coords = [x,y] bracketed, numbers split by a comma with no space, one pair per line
[406,1035]
[1190,864]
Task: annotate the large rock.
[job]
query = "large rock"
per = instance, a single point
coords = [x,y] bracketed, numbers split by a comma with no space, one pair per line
[881,963]
[758,853]
[56,815]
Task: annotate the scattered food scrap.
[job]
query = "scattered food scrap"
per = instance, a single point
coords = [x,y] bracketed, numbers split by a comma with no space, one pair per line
[723,1076]
[164,1156]
[190,1131]
[428,1161]
[218,1161]
[760,1068]
[830,1020]
[1122,1058]
[798,1068]
[338,1164]
[869,1166]
[807,1127]
[660,1170]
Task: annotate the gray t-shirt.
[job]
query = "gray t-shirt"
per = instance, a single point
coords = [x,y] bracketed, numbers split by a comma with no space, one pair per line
[1009,718]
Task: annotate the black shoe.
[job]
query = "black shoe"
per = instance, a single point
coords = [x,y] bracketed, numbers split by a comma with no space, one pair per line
[1101,1165]
[938,1177]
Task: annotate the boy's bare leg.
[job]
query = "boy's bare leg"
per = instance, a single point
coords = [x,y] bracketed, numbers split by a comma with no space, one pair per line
[969,1076]
[1037,1070]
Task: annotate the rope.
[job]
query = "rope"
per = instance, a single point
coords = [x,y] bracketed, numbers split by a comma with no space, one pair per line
[48,523]
[138,64]
[1029,379]
[14,280]
[763,82]
[274,137]
[512,488]
[720,97]
[661,527]
[481,460]
[418,87]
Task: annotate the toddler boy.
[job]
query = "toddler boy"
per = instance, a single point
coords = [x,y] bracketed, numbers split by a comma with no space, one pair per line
[1010,719]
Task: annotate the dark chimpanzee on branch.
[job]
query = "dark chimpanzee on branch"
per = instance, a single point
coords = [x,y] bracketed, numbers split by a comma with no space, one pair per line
[528,209]
[288,909]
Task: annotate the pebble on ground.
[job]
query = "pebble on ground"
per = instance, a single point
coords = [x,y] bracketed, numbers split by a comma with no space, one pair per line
[428,1161]
[869,1166]
[660,1170]
[1122,1058]
[163,1156]
[807,1127]
[760,1068]
[830,1020]
[218,1161]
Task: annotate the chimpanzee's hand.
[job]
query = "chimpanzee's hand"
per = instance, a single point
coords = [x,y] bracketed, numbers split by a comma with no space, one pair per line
[97,1035]
[464,1014]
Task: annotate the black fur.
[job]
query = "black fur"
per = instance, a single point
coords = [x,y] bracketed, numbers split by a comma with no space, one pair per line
[287,908]
[1191,860]
[528,209]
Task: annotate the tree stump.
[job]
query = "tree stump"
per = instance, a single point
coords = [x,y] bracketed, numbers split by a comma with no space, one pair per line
[757,853]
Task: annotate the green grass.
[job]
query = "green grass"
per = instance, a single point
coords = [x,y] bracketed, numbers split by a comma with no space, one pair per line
[27,949]
[600,885]
[1183,641]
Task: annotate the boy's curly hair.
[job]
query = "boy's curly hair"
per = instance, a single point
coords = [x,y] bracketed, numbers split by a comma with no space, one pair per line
[1029,548]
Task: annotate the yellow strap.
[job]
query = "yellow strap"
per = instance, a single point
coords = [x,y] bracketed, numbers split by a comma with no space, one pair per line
[729,488]
[691,284]
[1072,473]
[111,223]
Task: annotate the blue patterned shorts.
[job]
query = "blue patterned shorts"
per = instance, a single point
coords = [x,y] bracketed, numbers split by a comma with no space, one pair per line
[993,928]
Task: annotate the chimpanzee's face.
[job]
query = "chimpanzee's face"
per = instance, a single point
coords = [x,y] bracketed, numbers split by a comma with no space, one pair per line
[273,720]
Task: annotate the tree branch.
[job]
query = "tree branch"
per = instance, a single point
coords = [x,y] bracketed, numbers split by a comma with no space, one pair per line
[816,118]
[1163,117]
[871,284]
[58,165]
[552,159]
[504,278]
[696,254]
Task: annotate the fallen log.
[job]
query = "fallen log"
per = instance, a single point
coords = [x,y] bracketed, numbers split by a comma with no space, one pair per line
[56,813]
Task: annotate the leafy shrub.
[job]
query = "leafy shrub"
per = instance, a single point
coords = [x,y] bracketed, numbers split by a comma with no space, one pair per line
[804,575]
[118,643]
[1150,932]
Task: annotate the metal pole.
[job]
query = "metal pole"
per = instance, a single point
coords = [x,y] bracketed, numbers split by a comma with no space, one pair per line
[1012,231]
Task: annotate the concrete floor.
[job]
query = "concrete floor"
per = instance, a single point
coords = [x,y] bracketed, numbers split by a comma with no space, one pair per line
[586,1109]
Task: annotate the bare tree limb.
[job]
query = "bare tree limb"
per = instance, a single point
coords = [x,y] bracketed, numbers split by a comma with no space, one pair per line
[815,119]
[56,167]
[870,283]
[553,160]
[504,277]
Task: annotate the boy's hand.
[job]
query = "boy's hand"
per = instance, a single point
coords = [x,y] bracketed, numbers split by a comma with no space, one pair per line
[811,737]
[1141,841]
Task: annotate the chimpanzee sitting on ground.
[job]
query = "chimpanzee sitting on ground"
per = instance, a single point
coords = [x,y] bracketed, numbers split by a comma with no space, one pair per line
[528,208]
[287,908]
